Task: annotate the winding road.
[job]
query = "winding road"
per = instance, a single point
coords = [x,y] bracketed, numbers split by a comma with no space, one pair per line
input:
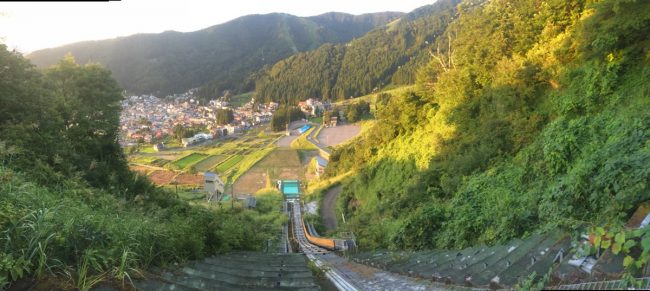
[328,207]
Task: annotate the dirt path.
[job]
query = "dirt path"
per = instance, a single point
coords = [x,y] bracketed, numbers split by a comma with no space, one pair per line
[328,209]
[285,141]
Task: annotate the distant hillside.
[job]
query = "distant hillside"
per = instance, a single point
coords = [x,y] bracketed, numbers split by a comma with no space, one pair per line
[221,57]
[387,55]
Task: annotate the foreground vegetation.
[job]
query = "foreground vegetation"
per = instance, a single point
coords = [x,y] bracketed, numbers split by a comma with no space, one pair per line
[71,213]
[534,117]
[83,235]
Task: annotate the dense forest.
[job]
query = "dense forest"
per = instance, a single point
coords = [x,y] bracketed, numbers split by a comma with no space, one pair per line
[387,55]
[71,212]
[533,115]
[218,58]
[283,116]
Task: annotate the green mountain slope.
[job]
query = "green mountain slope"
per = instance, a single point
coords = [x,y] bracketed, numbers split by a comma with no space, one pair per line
[221,57]
[538,120]
[387,55]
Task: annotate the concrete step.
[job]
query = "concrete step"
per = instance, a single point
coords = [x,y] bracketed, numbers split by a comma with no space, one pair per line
[252,273]
[154,285]
[248,281]
[512,256]
[540,264]
[268,267]
[237,271]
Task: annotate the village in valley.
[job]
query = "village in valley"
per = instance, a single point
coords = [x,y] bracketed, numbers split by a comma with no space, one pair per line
[244,152]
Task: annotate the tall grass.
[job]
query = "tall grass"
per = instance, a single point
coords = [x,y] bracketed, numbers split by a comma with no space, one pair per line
[88,236]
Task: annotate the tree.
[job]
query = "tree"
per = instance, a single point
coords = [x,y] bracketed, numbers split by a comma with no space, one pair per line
[179,132]
[327,117]
[285,115]
[318,111]
[352,114]
[224,116]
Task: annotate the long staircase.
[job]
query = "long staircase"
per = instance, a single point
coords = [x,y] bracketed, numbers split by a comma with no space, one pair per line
[482,266]
[475,268]
[237,271]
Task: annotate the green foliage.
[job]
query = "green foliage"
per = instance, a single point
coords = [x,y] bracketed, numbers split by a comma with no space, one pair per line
[533,116]
[308,74]
[389,54]
[633,244]
[68,203]
[285,115]
[93,236]
[224,116]
[355,111]
[218,58]
[64,123]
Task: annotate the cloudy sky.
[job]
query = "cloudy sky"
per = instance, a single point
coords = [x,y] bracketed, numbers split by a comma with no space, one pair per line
[31,26]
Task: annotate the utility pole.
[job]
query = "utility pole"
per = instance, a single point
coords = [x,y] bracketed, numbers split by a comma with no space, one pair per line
[176,184]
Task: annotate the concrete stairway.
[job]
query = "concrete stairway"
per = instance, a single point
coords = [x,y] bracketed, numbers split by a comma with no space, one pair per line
[481,266]
[237,271]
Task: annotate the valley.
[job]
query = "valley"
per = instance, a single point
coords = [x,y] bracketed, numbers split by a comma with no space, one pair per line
[466,144]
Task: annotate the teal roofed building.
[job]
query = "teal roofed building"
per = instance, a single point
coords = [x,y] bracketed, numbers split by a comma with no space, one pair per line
[289,188]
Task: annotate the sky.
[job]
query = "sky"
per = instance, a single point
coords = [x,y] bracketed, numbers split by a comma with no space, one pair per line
[30,26]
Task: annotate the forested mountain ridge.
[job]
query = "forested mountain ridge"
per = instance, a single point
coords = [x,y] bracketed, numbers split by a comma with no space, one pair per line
[386,55]
[533,117]
[219,58]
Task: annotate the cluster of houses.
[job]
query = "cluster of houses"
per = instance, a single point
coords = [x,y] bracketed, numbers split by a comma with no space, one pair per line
[148,118]
[314,107]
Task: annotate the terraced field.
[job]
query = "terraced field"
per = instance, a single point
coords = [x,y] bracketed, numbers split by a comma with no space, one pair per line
[189,179]
[188,160]
[160,177]
[209,163]
[279,164]
[230,157]
[229,163]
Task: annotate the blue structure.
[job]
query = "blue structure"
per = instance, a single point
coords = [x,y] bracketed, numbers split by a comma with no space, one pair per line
[304,128]
[289,188]
[321,162]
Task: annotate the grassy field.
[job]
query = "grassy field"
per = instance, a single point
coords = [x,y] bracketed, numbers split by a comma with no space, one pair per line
[159,162]
[372,97]
[144,159]
[279,163]
[241,99]
[249,161]
[227,164]
[316,120]
[191,195]
[182,163]
[302,143]
[208,163]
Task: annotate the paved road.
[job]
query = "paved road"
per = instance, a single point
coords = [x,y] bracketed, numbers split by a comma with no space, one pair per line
[311,139]
[328,208]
